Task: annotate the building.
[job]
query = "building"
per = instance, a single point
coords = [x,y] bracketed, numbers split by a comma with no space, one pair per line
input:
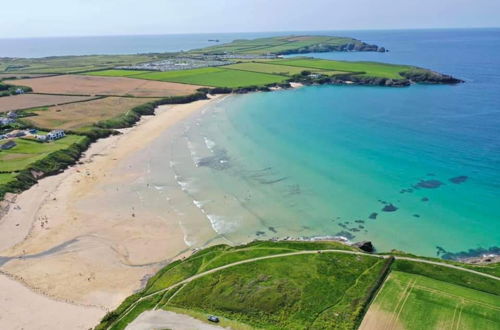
[6,121]
[8,145]
[12,115]
[19,91]
[55,134]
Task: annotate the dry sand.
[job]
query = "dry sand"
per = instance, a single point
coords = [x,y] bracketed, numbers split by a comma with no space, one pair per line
[69,243]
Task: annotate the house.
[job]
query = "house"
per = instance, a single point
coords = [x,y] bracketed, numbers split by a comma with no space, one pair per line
[6,121]
[8,145]
[12,115]
[41,138]
[55,134]
[32,130]
[19,91]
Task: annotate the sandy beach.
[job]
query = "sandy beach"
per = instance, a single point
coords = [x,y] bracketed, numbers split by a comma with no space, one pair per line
[80,243]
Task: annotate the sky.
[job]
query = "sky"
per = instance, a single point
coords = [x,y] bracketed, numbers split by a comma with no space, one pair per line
[36,18]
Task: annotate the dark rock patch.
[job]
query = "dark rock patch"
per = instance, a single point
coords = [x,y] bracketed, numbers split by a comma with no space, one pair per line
[366,246]
[458,179]
[260,233]
[272,229]
[389,208]
[429,184]
[359,221]
[416,215]
[471,253]
[373,216]
[361,227]
[345,234]
[425,199]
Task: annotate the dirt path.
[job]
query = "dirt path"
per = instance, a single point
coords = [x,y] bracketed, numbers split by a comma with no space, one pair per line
[160,319]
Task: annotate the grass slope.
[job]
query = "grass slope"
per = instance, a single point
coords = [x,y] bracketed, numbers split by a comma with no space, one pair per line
[417,302]
[372,69]
[278,45]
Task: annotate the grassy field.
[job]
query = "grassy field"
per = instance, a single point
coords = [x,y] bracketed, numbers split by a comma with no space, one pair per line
[6,177]
[70,64]
[367,68]
[27,152]
[79,115]
[327,268]
[116,73]
[277,45]
[214,77]
[285,70]
[409,301]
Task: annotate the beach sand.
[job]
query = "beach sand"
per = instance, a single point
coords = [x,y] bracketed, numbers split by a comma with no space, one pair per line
[80,242]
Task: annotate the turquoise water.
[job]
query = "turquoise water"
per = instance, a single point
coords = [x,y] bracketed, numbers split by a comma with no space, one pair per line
[319,161]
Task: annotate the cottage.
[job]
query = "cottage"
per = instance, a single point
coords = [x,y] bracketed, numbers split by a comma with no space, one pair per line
[55,134]
[8,145]
[19,91]
[12,115]
[5,121]
[41,138]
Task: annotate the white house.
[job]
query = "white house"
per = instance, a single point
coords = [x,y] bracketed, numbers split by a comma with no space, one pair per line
[55,134]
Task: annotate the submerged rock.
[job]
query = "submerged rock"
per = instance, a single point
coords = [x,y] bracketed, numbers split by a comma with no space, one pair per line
[373,216]
[272,229]
[366,246]
[345,234]
[459,179]
[389,208]
[425,199]
[429,184]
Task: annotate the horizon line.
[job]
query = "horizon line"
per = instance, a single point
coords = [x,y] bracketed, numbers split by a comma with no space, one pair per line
[243,32]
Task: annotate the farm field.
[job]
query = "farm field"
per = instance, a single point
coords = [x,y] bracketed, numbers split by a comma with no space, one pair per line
[214,77]
[70,64]
[113,86]
[26,101]
[369,68]
[82,114]
[27,152]
[410,301]
[116,73]
[20,75]
[277,69]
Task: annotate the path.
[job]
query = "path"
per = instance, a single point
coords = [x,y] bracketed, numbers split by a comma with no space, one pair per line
[194,277]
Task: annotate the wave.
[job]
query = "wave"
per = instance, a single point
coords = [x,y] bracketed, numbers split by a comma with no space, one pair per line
[209,143]
[220,224]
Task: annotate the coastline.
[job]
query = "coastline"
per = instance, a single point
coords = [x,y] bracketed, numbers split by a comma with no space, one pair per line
[97,258]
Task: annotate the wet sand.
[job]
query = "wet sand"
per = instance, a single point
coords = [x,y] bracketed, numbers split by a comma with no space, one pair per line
[82,239]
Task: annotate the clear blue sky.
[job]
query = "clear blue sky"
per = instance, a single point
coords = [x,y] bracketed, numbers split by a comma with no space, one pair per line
[34,18]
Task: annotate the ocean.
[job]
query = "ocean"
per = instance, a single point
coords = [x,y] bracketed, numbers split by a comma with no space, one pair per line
[414,169]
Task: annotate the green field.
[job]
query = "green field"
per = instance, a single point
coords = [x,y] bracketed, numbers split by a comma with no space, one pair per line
[6,177]
[213,77]
[116,73]
[367,68]
[409,301]
[27,152]
[69,64]
[286,70]
[264,293]
[278,45]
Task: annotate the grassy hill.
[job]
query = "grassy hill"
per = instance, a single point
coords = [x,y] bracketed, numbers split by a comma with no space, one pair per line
[312,285]
[289,45]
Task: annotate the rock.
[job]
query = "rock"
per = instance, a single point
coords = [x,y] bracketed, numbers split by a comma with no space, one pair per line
[389,208]
[373,216]
[381,50]
[366,246]
[458,179]
[429,184]
[425,199]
